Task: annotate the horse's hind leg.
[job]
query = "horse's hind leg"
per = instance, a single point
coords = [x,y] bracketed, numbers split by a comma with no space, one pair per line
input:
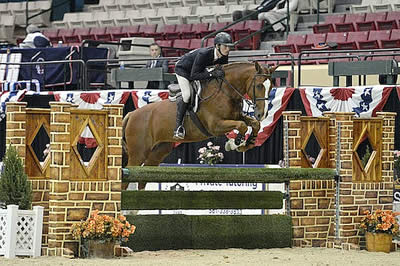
[158,153]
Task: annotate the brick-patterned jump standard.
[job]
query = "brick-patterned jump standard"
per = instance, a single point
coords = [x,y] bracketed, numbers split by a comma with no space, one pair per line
[67,201]
[313,207]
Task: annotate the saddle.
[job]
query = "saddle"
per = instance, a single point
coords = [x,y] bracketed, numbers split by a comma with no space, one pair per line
[195,91]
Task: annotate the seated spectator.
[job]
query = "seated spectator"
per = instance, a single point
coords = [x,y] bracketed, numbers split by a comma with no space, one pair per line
[34,38]
[271,12]
[155,52]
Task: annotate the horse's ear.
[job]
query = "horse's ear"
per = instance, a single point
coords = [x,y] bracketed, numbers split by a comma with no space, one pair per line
[258,67]
[272,69]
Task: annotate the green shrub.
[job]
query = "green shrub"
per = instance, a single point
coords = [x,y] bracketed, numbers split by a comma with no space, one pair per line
[14,185]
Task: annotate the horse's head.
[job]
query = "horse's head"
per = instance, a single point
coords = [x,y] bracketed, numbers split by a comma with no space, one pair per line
[258,87]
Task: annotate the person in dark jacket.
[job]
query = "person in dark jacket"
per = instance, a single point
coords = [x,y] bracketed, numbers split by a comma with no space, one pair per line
[193,66]
[155,53]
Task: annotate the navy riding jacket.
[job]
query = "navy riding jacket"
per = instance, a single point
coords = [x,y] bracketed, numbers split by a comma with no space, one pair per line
[193,65]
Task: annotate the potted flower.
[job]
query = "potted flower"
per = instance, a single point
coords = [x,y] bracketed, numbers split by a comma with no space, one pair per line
[100,233]
[379,228]
[210,154]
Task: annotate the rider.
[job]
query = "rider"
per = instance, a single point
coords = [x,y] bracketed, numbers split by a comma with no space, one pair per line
[192,66]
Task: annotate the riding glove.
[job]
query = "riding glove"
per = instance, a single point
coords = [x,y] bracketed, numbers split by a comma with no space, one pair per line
[218,73]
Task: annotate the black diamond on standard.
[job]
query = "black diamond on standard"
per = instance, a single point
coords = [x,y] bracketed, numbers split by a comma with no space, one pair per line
[364,150]
[312,149]
[40,144]
[86,145]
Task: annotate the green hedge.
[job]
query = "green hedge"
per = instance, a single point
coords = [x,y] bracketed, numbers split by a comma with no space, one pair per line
[161,232]
[171,200]
[214,174]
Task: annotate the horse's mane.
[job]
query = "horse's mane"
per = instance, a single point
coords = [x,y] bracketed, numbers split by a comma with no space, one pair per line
[236,64]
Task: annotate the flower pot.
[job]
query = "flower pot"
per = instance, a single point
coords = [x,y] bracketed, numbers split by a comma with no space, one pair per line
[378,242]
[101,249]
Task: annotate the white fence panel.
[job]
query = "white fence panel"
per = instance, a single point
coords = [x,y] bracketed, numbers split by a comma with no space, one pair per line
[21,231]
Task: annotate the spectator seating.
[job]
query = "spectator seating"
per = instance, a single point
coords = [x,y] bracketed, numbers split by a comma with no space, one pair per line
[17,9]
[159,32]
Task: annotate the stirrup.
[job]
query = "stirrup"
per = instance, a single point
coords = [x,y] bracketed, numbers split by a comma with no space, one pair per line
[179,133]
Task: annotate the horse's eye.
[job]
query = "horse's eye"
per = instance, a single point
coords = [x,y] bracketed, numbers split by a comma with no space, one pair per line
[260,86]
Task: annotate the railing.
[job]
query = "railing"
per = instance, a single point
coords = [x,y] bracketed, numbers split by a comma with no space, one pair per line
[21,231]
[82,71]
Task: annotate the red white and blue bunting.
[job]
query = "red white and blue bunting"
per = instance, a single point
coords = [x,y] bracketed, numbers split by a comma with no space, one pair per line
[364,101]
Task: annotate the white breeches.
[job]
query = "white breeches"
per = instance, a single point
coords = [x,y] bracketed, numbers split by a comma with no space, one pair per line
[184,84]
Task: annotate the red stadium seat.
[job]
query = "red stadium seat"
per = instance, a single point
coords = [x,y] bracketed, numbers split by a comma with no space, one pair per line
[394,41]
[237,29]
[185,31]
[291,42]
[312,40]
[194,44]
[81,34]
[349,22]
[148,30]
[323,28]
[370,21]
[337,37]
[332,19]
[167,52]
[218,25]
[108,35]
[391,21]
[85,34]
[63,34]
[69,36]
[97,31]
[126,31]
[328,25]
[169,32]
[200,29]
[181,44]
[352,40]
[254,42]
[209,42]
[374,39]
[52,34]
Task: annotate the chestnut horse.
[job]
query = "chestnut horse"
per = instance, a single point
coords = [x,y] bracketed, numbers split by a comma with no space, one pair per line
[148,131]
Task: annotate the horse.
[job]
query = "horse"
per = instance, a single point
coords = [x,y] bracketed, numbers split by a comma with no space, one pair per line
[148,131]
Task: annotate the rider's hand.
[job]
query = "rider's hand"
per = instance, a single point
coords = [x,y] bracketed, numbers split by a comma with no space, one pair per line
[218,73]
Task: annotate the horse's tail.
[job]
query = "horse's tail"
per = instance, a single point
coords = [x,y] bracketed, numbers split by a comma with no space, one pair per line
[125,155]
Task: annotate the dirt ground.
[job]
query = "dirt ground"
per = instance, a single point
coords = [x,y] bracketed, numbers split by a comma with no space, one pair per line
[283,256]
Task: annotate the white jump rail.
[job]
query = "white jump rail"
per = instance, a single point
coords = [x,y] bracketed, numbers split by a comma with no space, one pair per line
[21,231]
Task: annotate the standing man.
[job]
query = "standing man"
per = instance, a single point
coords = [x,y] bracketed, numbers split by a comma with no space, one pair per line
[193,66]
[155,53]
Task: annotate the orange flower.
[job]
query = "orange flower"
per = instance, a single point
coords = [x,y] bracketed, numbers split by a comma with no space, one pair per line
[104,227]
[380,222]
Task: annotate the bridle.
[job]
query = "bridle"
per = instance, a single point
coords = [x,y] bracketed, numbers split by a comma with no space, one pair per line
[253,103]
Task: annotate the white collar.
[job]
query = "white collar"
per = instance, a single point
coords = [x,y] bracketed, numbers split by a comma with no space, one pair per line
[215,54]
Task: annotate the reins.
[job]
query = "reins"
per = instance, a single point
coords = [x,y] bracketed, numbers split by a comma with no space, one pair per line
[250,103]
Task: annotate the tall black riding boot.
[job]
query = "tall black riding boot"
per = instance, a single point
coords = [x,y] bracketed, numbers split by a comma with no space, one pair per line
[179,132]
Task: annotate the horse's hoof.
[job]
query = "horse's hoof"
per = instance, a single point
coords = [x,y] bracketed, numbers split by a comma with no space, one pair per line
[238,139]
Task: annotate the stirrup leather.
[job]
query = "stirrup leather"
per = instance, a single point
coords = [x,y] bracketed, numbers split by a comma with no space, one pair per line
[179,132]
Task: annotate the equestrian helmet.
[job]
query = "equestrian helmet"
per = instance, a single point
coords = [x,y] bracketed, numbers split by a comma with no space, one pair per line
[223,38]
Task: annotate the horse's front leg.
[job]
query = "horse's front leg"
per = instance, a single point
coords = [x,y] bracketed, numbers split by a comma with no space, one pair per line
[255,124]
[224,126]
